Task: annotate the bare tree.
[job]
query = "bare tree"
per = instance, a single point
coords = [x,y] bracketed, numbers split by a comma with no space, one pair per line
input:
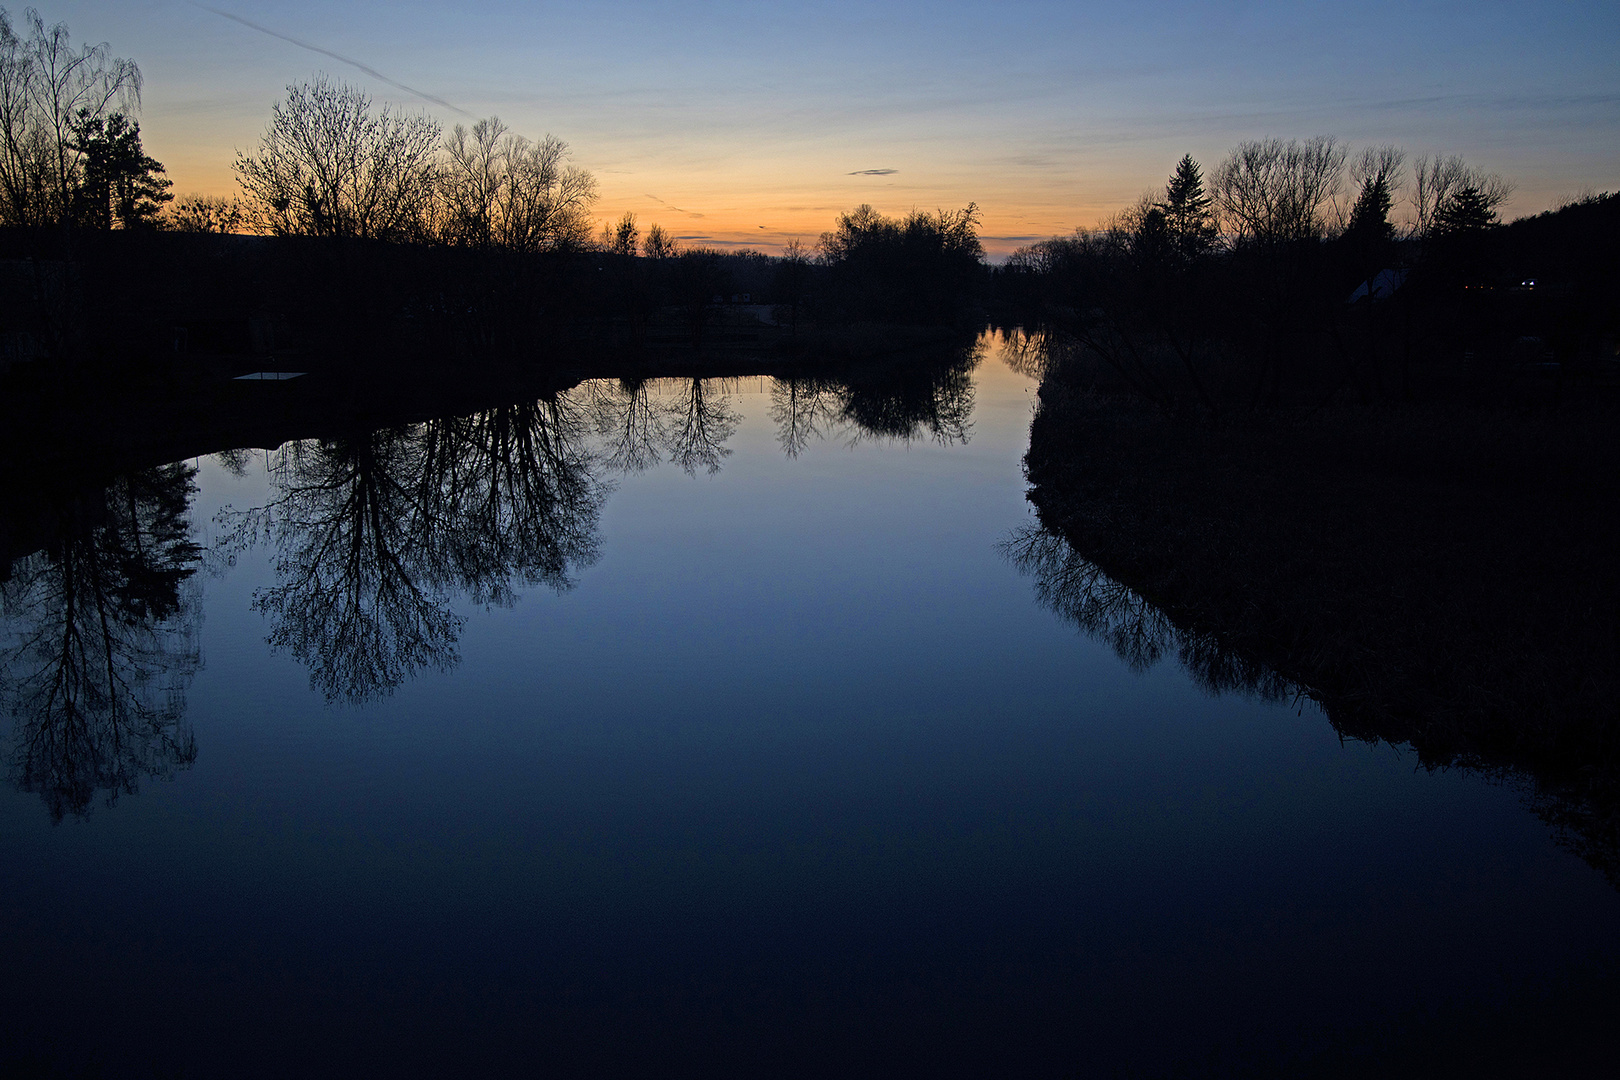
[329,166]
[1439,180]
[46,88]
[206,214]
[621,238]
[24,157]
[1270,191]
[659,244]
[502,190]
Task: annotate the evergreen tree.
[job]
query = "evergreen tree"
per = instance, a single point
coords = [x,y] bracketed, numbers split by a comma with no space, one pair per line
[1369,217]
[118,183]
[1186,209]
[1469,210]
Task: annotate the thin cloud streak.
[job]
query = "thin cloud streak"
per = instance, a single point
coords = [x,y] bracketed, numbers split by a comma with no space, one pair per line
[672,206]
[373,72]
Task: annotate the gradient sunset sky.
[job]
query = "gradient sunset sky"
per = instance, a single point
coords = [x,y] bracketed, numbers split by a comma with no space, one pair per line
[750,124]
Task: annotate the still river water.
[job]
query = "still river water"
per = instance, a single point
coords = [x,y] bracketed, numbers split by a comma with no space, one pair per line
[759,756]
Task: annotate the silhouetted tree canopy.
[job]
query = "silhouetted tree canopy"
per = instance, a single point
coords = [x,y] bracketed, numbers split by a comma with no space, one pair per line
[328,166]
[119,183]
[497,189]
[1469,210]
[206,214]
[920,268]
[51,96]
[1272,191]
[1378,172]
[659,244]
[621,237]
[1438,182]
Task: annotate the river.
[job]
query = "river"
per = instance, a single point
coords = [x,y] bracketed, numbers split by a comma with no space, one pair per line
[708,727]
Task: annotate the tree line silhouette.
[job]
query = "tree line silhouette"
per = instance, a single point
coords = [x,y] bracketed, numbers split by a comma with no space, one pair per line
[371,231]
[1286,279]
[1283,276]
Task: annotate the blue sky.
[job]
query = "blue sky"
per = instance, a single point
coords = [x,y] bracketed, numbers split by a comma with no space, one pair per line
[755,123]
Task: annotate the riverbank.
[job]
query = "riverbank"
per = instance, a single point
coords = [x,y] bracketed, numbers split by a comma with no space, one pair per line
[1434,575]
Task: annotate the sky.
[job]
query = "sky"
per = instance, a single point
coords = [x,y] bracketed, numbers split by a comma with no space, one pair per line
[749,124]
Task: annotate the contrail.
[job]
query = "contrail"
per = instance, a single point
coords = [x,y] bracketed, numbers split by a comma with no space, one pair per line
[672,206]
[373,72]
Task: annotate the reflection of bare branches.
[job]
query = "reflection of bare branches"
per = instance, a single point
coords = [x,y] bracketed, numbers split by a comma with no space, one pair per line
[352,600]
[907,403]
[701,424]
[931,398]
[1221,670]
[100,643]
[234,462]
[803,409]
[375,533]
[631,423]
[1029,352]
[1074,587]
[520,492]
[1067,583]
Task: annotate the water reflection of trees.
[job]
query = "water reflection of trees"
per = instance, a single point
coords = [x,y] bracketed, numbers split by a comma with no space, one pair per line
[904,402]
[100,642]
[1446,669]
[1029,351]
[376,533]
[702,421]
[804,410]
[932,399]
[1141,634]
[643,422]
[630,422]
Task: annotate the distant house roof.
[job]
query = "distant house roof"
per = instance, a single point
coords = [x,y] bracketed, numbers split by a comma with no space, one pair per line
[1381,286]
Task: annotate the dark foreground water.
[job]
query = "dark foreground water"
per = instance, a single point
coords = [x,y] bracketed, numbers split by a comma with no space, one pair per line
[797,777]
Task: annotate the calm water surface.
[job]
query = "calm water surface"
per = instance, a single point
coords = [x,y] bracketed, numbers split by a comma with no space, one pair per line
[776,765]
